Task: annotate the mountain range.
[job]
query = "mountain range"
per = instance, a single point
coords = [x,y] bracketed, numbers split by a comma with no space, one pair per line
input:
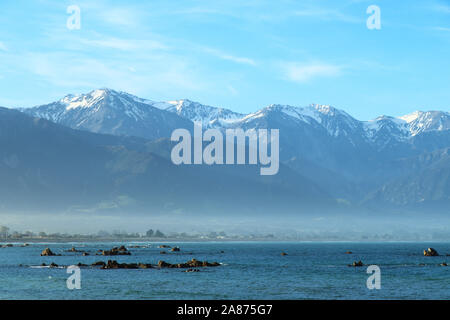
[113,145]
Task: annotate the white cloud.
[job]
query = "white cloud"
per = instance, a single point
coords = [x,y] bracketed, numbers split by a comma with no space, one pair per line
[125,44]
[123,17]
[225,56]
[327,14]
[3,47]
[297,72]
[441,29]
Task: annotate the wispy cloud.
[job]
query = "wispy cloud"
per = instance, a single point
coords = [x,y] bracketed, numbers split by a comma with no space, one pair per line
[123,16]
[302,73]
[445,29]
[225,56]
[125,44]
[3,47]
[326,14]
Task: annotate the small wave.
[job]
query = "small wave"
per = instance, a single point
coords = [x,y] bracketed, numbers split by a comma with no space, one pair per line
[46,267]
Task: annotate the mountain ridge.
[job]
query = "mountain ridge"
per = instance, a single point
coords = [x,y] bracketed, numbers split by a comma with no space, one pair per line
[414,123]
[353,160]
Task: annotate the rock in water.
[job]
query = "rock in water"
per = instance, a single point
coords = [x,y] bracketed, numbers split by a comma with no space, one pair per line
[190,264]
[47,252]
[430,252]
[163,264]
[99,263]
[111,264]
[122,251]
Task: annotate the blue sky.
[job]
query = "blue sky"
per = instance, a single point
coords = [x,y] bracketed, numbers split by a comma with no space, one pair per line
[241,55]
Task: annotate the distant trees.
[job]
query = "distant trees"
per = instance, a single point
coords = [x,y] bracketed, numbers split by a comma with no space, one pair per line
[103,234]
[159,234]
[4,232]
[155,234]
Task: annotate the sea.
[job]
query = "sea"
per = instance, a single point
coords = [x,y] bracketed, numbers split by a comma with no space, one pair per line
[248,270]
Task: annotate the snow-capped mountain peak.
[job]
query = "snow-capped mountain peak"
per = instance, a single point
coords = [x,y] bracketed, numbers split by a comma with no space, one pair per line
[326,109]
[211,117]
[411,117]
[112,112]
[83,100]
[94,97]
[420,121]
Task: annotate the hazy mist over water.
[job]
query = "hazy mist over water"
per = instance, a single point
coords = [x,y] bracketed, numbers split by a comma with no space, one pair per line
[313,227]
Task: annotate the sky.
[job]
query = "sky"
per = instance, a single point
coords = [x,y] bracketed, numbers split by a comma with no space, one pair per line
[237,54]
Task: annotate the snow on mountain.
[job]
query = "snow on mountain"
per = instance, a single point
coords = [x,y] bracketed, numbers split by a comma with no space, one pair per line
[210,117]
[336,122]
[385,129]
[109,111]
[420,121]
[407,126]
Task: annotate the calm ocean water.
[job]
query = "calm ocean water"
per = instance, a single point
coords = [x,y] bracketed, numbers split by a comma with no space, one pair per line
[253,270]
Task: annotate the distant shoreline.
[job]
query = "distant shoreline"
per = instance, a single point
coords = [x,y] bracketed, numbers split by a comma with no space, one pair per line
[177,240]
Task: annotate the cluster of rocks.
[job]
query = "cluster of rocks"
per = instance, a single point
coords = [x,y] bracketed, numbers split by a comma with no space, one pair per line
[51,265]
[430,252]
[356,264]
[116,251]
[48,252]
[194,263]
[113,264]
[73,249]
[172,249]
[10,245]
